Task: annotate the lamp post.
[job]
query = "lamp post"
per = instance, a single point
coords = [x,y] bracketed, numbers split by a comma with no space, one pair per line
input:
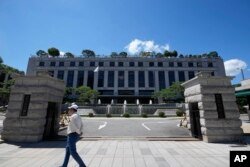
[242,73]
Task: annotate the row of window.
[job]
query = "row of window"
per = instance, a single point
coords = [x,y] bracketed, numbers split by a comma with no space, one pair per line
[131,64]
[121,78]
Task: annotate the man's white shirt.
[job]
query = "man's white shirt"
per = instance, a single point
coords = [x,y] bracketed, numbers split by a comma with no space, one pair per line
[75,124]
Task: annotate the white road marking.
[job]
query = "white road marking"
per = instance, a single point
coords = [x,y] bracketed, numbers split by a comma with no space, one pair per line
[143,124]
[102,126]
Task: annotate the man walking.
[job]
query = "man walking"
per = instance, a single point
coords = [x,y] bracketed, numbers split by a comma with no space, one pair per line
[73,135]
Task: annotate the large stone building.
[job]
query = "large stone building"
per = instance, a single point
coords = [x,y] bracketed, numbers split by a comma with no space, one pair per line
[125,78]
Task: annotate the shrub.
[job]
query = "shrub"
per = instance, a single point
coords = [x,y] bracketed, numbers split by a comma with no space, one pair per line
[91,115]
[179,113]
[144,115]
[108,115]
[126,115]
[161,114]
[242,109]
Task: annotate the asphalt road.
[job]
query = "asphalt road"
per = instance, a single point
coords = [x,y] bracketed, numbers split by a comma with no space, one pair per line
[132,127]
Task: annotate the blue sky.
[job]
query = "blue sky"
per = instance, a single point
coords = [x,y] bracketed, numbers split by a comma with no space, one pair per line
[188,26]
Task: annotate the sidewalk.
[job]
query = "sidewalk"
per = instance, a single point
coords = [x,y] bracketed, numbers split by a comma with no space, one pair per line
[118,153]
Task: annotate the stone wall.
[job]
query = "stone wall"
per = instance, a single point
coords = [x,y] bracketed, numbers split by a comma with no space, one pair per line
[202,90]
[30,128]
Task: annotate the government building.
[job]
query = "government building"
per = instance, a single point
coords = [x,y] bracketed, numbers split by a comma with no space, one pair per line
[125,78]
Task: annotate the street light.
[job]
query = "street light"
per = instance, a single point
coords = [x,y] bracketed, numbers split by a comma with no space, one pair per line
[242,73]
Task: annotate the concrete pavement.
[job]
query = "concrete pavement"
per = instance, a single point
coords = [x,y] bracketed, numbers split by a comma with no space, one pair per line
[120,154]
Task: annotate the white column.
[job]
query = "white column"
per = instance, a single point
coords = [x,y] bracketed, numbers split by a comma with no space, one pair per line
[136,83]
[105,79]
[156,81]
[75,78]
[65,77]
[95,80]
[176,75]
[166,79]
[186,75]
[146,79]
[126,79]
[116,83]
[85,80]
[55,73]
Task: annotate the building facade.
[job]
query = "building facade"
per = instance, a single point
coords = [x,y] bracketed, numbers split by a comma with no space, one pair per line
[125,78]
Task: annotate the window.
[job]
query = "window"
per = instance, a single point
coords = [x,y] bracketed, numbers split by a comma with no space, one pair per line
[120,64]
[100,78]
[120,78]
[25,106]
[179,64]
[111,79]
[190,74]
[171,77]
[41,64]
[80,78]
[160,64]
[181,76]
[190,64]
[90,82]
[126,92]
[81,64]
[131,79]
[106,92]
[210,64]
[72,64]
[219,106]
[52,64]
[92,64]
[212,73]
[140,64]
[131,64]
[112,64]
[51,73]
[161,77]
[199,64]
[146,92]
[60,74]
[151,79]
[141,79]
[151,64]
[101,64]
[61,64]
[171,64]
[70,78]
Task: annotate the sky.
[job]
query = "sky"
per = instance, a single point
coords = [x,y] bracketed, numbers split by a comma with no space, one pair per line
[105,26]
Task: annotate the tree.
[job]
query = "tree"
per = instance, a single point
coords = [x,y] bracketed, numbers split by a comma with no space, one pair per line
[41,53]
[158,55]
[53,52]
[174,93]
[86,94]
[69,55]
[123,54]
[174,53]
[145,54]
[213,54]
[1,60]
[88,53]
[5,91]
[167,53]
[113,54]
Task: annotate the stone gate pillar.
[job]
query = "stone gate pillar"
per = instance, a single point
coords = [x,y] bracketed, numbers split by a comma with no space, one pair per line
[34,108]
[211,108]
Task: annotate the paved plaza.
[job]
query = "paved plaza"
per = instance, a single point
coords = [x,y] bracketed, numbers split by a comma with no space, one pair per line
[121,154]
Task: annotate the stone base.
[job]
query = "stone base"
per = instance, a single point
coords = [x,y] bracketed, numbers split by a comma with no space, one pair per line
[21,138]
[221,139]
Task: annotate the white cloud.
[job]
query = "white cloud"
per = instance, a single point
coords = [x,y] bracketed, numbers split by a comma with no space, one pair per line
[136,46]
[233,67]
[62,54]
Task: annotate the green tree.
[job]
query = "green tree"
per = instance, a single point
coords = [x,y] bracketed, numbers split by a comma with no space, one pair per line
[174,93]
[158,55]
[1,60]
[53,52]
[69,55]
[41,53]
[167,53]
[86,94]
[123,54]
[174,53]
[5,91]
[145,54]
[114,54]
[88,53]
[213,54]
